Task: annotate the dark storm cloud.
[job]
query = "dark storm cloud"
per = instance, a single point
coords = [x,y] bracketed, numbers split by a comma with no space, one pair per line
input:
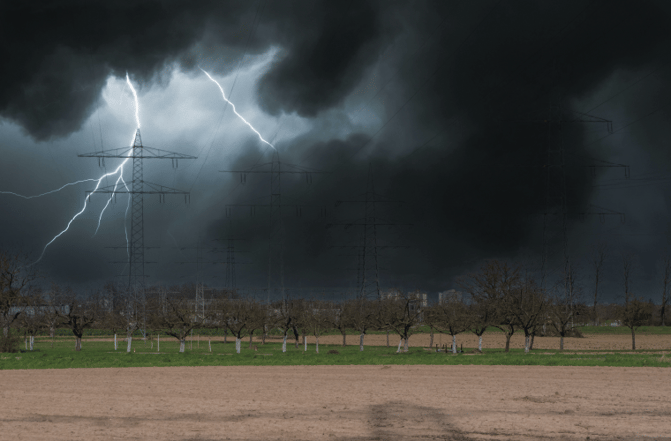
[463,74]
[59,54]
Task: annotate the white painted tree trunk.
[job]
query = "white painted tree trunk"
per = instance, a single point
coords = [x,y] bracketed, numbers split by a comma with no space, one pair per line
[480,343]
[32,342]
[182,345]
[361,342]
[526,344]
[209,344]
[454,344]
[405,349]
[317,344]
[115,345]
[130,340]
[400,342]
[305,343]
[284,343]
[158,343]
[78,344]
[237,345]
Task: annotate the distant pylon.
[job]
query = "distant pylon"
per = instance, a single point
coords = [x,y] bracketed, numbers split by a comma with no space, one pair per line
[367,255]
[370,276]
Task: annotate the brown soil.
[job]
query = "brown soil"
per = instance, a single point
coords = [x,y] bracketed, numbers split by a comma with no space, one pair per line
[489,340]
[337,403]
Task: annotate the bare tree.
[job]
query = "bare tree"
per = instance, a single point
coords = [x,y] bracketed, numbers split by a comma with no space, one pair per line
[666,283]
[633,314]
[342,320]
[173,314]
[258,318]
[401,314]
[320,319]
[597,258]
[492,287]
[32,319]
[284,320]
[450,317]
[79,314]
[362,316]
[15,278]
[240,314]
[481,314]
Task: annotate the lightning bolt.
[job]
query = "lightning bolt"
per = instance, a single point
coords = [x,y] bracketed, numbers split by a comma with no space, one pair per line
[49,192]
[235,111]
[118,170]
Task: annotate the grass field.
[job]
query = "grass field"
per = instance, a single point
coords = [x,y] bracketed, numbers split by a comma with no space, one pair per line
[101,354]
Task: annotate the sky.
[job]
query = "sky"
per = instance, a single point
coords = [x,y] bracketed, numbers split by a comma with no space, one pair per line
[441,106]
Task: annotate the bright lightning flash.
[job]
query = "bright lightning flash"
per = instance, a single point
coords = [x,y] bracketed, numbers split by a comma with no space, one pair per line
[235,111]
[118,170]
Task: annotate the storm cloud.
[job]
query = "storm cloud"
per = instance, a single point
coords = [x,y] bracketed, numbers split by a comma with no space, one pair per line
[446,102]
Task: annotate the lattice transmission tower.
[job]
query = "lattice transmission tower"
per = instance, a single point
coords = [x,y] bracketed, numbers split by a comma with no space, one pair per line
[138,188]
[368,265]
[276,286]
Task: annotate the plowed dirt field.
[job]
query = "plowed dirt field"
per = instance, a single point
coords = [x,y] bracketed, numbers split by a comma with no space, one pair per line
[337,403]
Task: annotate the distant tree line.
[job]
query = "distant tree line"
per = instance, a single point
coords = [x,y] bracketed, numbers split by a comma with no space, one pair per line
[500,294]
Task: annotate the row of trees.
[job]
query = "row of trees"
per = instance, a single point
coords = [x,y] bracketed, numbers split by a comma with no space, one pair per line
[500,294]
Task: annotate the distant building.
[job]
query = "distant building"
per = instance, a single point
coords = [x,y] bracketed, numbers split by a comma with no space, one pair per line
[419,299]
[450,294]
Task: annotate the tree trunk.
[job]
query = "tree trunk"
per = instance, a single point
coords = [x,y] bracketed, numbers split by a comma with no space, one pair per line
[129,339]
[32,342]
[508,336]
[305,343]
[344,339]
[317,344]
[158,343]
[115,345]
[400,342]
[633,339]
[209,344]
[531,344]
[78,343]
[663,313]
[237,344]
[405,349]
[561,343]
[225,335]
[454,344]
[5,331]
[480,343]
[182,345]
[263,337]
[361,342]
[52,331]
[526,343]
[431,339]
[284,343]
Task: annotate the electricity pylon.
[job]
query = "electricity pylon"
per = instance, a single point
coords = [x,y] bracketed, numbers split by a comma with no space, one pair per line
[368,270]
[136,262]
[276,230]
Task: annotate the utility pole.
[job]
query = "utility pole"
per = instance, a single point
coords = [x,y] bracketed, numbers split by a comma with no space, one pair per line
[276,227]
[138,188]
